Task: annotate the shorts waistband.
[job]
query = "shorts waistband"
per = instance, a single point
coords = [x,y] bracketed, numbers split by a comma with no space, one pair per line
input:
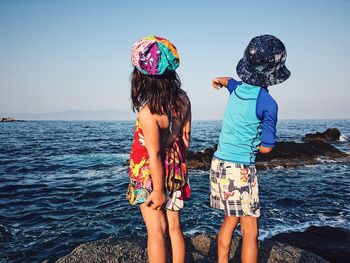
[234,164]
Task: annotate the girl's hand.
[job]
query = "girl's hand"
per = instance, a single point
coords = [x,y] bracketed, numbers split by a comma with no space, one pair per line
[156,200]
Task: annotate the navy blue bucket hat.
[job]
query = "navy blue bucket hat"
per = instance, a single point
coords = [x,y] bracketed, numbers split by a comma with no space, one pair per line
[263,62]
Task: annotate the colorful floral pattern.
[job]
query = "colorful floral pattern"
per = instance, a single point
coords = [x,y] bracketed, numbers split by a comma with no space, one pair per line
[154,56]
[176,180]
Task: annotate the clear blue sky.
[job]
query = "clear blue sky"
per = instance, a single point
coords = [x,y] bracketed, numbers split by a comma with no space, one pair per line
[64,54]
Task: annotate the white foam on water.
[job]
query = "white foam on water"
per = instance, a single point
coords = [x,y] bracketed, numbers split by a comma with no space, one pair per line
[343,138]
[325,160]
[114,172]
[79,159]
[324,221]
[279,167]
[192,232]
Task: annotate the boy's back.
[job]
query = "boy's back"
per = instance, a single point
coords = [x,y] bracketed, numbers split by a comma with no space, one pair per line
[249,126]
[249,121]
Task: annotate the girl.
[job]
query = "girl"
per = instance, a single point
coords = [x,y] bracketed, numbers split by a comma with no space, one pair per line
[157,170]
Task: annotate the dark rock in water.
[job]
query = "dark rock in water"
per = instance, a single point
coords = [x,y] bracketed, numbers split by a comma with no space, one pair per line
[200,248]
[9,119]
[331,134]
[285,154]
[292,154]
[200,160]
[331,243]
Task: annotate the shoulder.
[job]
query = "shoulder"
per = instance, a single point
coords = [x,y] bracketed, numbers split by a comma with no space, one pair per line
[185,99]
[265,104]
[265,99]
[183,95]
[145,113]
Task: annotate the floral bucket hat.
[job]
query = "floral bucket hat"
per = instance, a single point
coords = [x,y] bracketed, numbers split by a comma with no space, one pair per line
[154,56]
[263,62]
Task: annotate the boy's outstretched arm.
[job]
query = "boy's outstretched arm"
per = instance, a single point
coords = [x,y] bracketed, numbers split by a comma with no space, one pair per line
[220,82]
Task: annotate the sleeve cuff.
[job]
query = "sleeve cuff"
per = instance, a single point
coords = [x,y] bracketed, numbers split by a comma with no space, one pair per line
[269,145]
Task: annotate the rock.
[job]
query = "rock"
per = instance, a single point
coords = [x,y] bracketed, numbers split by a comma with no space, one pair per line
[285,154]
[276,252]
[202,243]
[292,154]
[331,134]
[108,250]
[200,248]
[331,243]
[9,119]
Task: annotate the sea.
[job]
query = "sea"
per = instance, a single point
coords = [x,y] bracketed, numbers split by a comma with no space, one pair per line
[63,183]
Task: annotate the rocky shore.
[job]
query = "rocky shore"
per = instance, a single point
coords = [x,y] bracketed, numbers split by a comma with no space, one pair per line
[285,154]
[314,245]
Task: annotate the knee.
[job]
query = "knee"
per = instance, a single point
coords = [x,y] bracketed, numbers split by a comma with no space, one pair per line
[231,221]
[174,228]
[157,230]
[249,230]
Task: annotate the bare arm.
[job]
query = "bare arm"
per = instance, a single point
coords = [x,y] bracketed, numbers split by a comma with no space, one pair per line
[220,82]
[186,130]
[151,133]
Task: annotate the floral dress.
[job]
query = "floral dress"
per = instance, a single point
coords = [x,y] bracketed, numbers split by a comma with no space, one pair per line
[174,162]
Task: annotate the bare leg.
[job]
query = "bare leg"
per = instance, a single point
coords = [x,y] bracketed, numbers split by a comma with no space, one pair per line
[156,228]
[225,237]
[249,227]
[176,236]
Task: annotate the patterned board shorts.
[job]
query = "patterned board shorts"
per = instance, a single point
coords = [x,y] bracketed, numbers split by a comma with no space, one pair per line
[234,188]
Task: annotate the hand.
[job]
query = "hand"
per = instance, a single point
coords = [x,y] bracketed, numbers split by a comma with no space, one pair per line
[263,149]
[156,200]
[220,82]
[216,83]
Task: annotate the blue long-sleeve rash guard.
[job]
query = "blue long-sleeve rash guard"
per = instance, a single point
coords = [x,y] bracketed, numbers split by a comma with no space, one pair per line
[250,120]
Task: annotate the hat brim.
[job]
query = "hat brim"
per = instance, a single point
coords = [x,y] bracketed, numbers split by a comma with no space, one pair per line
[262,79]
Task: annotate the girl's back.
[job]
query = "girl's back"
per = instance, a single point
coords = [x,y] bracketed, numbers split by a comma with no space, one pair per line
[157,169]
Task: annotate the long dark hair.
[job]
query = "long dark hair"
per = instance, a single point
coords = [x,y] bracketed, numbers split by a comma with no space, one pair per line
[160,93]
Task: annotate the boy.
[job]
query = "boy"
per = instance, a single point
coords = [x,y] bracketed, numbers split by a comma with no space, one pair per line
[249,126]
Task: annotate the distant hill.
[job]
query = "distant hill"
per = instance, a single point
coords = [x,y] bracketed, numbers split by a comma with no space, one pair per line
[74,115]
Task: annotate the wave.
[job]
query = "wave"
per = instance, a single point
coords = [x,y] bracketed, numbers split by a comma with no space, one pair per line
[91,158]
[343,138]
[265,233]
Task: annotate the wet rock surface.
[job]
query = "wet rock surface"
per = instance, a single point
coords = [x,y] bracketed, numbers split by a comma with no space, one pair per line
[285,154]
[200,248]
[108,250]
[331,243]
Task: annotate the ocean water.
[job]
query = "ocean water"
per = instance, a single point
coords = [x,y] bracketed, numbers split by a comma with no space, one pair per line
[63,183]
